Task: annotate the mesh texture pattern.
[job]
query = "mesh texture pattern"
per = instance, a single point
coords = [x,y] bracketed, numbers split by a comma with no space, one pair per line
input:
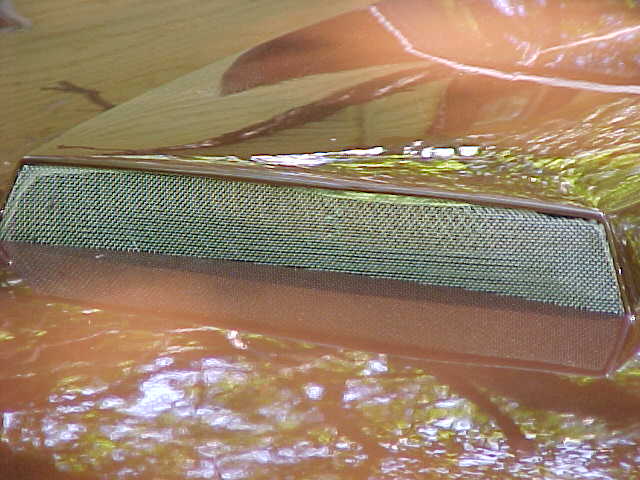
[559,260]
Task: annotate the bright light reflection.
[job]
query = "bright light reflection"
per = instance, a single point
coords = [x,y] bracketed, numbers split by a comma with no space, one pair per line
[448,152]
[505,7]
[444,152]
[374,366]
[159,393]
[314,391]
[468,151]
[318,158]
[409,47]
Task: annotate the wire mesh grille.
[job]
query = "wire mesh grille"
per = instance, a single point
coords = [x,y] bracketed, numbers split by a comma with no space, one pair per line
[559,260]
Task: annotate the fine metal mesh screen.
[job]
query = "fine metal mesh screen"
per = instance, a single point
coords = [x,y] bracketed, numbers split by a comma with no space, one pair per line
[552,259]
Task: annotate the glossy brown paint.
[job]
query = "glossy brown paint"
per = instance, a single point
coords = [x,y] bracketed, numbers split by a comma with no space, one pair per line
[487,53]
[477,33]
[260,407]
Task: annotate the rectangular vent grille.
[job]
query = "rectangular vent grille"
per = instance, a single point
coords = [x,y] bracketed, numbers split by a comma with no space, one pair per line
[536,256]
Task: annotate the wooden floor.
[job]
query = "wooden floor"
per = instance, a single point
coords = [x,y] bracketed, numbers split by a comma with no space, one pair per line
[120,49]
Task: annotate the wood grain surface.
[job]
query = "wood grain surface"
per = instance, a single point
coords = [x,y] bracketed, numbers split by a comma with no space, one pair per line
[120,49]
